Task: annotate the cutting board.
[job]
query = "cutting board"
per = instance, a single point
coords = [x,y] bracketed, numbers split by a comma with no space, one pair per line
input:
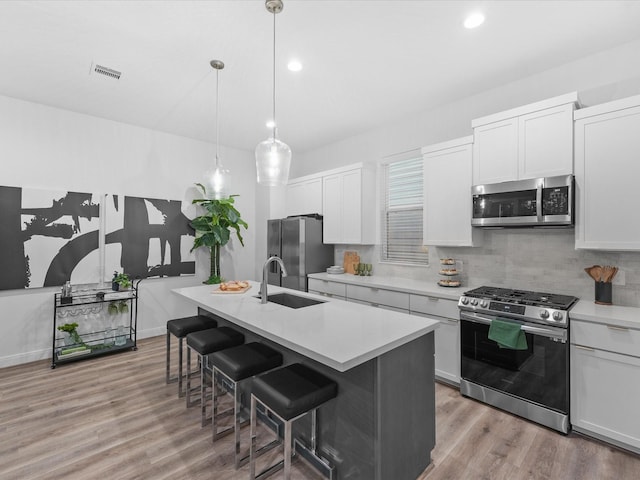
[350,259]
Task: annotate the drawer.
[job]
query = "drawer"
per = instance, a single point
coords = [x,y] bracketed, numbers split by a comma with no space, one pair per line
[439,307]
[378,296]
[328,295]
[325,286]
[606,337]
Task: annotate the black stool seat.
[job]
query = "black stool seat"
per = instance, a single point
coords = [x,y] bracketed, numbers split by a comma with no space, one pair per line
[213,339]
[246,360]
[293,390]
[181,327]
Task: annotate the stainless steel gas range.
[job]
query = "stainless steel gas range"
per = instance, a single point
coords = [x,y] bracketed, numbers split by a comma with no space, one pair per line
[530,379]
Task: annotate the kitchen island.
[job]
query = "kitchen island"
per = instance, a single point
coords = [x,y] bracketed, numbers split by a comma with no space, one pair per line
[382,423]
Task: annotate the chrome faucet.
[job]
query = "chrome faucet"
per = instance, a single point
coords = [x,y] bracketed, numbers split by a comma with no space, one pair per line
[263,285]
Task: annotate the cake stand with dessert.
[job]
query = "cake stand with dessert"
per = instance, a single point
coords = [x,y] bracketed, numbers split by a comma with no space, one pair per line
[449,269]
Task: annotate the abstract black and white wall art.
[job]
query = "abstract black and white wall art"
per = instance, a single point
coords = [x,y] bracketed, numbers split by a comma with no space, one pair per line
[147,237]
[48,237]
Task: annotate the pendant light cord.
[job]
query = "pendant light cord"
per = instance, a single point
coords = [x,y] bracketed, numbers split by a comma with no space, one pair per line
[274,75]
[217,114]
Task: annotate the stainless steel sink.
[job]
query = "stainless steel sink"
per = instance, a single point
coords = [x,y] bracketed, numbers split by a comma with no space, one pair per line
[292,301]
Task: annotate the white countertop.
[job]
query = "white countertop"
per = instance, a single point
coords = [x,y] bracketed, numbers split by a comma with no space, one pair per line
[589,311]
[418,287]
[335,333]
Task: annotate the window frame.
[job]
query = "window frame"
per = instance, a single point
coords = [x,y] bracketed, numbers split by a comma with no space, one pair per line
[422,256]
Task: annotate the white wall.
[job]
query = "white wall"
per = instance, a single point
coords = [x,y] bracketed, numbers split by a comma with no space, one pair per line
[530,259]
[44,147]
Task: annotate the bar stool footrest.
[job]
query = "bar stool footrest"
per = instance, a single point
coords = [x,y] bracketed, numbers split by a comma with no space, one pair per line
[319,463]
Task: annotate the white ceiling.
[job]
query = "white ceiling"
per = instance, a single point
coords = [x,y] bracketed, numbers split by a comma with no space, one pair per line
[365,62]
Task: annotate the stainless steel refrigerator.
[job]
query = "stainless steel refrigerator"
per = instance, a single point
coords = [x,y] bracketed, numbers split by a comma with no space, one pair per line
[298,242]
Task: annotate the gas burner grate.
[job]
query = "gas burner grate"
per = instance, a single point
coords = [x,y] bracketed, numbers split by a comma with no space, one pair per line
[524,297]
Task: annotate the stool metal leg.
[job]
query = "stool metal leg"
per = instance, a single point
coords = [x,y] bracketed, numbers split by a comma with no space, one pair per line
[168,362]
[180,391]
[188,390]
[287,449]
[252,448]
[236,423]
[203,398]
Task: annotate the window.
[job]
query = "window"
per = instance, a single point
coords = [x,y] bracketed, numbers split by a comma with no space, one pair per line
[402,212]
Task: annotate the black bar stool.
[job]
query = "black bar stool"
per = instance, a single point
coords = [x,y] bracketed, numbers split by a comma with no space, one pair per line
[203,343]
[290,393]
[235,365]
[180,328]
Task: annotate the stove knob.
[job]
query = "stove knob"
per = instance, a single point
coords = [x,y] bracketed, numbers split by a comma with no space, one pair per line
[464,300]
[557,316]
[484,304]
[474,301]
[544,313]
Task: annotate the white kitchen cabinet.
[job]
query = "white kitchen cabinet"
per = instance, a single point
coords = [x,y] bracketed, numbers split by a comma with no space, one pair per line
[327,288]
[447,194]
[606,175]
[304,196]
[447,335]
[605,384]
[379,297]
[495,152]
[531,141]
[348,205]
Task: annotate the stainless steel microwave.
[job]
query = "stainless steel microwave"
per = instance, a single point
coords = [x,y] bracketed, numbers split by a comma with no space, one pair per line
[534,202]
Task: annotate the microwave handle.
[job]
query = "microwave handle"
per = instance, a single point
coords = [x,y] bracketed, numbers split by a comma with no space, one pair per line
[539,201]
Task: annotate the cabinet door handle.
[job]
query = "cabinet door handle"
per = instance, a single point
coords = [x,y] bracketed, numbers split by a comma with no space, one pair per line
[433,299]
[619,329]
[580,347]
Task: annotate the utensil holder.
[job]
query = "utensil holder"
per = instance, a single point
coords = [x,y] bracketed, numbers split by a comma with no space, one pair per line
[603,293]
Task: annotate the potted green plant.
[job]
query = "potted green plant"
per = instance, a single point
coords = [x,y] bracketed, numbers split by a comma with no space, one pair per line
[70,330]
[120,281]
[112,309]
[213,228]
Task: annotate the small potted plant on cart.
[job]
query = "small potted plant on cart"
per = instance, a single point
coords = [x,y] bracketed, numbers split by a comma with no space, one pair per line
[120,281]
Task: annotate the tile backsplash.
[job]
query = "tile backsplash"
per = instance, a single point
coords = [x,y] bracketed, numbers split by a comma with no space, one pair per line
[530,259]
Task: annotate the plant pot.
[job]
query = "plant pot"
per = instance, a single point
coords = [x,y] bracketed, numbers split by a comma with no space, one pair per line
[115,286]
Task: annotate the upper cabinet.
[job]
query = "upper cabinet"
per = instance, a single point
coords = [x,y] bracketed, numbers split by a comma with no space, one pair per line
[606,174]
[304,196]
[348,205]
[532,141]
[447,193]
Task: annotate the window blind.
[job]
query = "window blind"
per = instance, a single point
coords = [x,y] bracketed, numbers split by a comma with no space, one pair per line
[402,212]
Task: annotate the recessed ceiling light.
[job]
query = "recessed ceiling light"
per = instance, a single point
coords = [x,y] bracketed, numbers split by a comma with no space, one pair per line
[294,66]
[474,20]
[271,124]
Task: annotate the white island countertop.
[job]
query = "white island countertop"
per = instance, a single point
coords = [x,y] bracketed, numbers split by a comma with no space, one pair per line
[335,333]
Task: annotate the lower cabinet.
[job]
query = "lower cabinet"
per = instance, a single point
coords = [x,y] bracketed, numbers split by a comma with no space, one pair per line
[605,386]
[327,288]
[379,297]
[447,335]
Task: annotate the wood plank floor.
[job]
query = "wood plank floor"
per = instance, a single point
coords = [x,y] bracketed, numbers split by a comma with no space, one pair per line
[115,418]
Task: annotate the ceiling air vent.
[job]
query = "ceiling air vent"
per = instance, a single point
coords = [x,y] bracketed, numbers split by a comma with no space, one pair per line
[107,71]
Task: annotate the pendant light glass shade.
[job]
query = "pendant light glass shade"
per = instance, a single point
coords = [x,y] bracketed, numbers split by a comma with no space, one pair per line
[273,156]
[216,179]
[273,159]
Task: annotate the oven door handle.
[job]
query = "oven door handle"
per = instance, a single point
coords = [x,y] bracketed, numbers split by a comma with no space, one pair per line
[557,334]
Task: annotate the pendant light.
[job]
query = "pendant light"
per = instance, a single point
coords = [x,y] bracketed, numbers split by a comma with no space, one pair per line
[273,156]
[217,178]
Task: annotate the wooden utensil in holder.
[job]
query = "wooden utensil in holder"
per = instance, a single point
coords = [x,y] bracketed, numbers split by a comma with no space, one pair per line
[603,276]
